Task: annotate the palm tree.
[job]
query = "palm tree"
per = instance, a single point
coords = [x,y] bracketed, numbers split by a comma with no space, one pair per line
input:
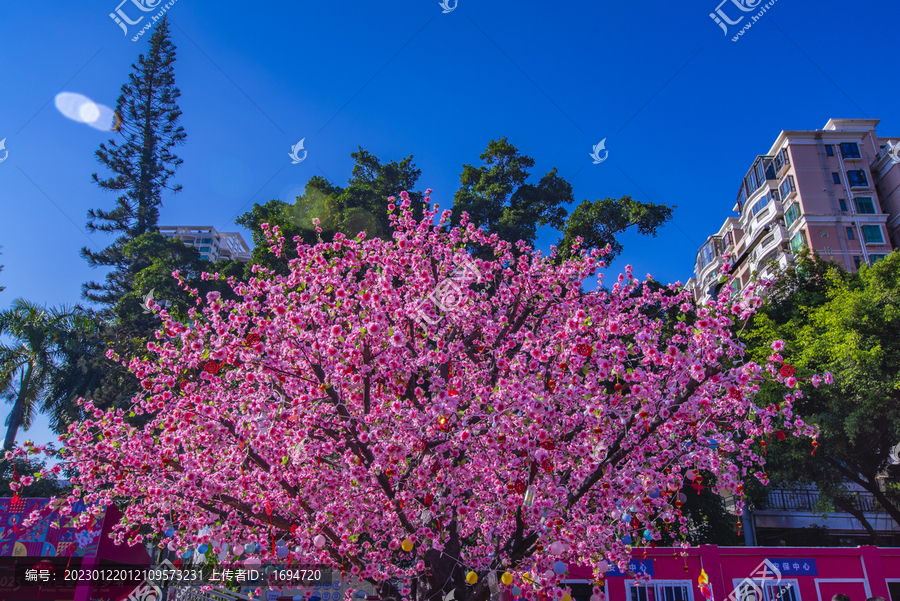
[28,364]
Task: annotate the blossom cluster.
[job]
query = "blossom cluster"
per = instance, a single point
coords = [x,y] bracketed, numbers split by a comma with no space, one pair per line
[317,419]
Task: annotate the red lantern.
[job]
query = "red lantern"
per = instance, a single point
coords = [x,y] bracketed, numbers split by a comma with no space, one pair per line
[520,486]
[584,349]
[548,445]
[252,339]
[787,371]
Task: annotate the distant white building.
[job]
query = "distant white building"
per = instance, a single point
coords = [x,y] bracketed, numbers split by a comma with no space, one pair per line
[213,245]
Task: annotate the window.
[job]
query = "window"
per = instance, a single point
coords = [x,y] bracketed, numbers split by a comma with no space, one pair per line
[836,177]
[829,150]
[873,258]
[843,205]
[581,589]
[707,253]
[766,590]
[752,182]
[205,240]
[787,186]
[204,249]
[857,262]
[872,234]
[792,214]
[672,590]
[857,177]
[850,150]
[759,205]
[798,242]
[850,233]
[864,205]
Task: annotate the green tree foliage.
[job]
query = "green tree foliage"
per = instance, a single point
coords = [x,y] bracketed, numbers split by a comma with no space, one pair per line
[142,163]
[2,288]
[600,222]
[29,361]
[361,206]
[848,324]
[42,488]
[498,198]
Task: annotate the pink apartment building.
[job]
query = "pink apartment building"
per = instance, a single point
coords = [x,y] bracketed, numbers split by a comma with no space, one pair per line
[836,190]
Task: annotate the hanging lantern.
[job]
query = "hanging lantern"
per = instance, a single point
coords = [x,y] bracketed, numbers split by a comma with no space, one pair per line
[559,568]
[557,548]
[237,549]
[406,545]
[506,578]
[471,577]
[648,536]
[626,540]
[626,518]
[319,541]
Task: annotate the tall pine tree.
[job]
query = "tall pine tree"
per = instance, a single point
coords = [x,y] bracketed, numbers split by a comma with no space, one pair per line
[142,163]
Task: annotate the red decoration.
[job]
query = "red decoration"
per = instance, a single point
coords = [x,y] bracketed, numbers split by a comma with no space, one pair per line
[815,445]
[520,486]
[584,349]
[212,367]
[252,339]
[780,435]
[548,445]
[787,370]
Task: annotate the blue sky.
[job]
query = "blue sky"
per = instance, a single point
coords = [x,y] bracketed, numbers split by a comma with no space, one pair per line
[684,110]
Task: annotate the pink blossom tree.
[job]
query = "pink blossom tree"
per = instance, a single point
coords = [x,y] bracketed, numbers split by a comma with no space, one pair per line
[428,422]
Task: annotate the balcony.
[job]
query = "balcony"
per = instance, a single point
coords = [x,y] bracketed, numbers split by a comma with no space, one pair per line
[799,508]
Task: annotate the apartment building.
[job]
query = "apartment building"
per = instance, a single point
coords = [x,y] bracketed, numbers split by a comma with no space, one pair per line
[835,190]
[213,245]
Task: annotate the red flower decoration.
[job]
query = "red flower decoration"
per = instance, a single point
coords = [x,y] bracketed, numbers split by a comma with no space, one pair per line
[780,434]
[183,384]
[584,349]
[520,486]
[547,465]
[212,367]
[252,339]
[787,370]
[548,445]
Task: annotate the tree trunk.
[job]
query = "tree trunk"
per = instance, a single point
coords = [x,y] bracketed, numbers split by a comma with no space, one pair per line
[882,499]
[18,411]
[847,505]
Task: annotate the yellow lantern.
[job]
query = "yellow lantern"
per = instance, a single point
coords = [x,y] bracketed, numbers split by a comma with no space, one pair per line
[406,545]
[567,597]
[471,577]
[506,579]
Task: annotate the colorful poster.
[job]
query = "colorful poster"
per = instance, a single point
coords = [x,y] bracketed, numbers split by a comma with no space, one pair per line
[50,535]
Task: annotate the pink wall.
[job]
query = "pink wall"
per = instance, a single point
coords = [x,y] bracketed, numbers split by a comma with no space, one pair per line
[859,572]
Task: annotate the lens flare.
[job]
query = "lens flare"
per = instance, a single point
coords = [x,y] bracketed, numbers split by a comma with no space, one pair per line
[82,109]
